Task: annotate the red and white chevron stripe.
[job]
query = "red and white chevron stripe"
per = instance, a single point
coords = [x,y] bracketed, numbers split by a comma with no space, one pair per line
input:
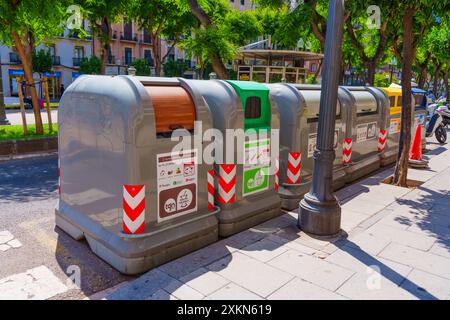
[227,183]
[277,172]
[347,151]
[133,209]
[211,190]
[294,167]
[382,137]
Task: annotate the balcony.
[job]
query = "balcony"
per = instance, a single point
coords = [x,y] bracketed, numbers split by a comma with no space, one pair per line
[146,39]
[14,58]
[76,61]
[56,60]
[126,61]
[128,36]
[111,60]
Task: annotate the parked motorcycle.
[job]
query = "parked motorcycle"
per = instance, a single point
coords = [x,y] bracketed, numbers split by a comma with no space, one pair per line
[438,123]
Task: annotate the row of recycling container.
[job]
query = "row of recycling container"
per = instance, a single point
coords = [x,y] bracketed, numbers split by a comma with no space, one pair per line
[140,202]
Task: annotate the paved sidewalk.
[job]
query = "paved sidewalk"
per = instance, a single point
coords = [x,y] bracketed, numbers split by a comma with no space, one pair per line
[15,117]
[397,246]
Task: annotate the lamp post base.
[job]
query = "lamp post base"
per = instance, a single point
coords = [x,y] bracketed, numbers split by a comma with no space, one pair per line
[319,218]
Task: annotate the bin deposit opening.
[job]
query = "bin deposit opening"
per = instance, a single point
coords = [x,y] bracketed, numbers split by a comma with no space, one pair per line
[173,107]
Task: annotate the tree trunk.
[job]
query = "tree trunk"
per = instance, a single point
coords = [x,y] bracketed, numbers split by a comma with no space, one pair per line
[446,83]
[105,41]
[437,69]
[205,21]
[371,68]
[401,169]
[423,77]
[156,49]
[24,51]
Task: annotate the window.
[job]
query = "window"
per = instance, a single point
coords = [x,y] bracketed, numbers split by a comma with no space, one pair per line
[253,108]
[79,52]
[148,57]
[242,2]
[392,101]
[313,67]
[52,50]
[418,99]
[128,56]
[399,101]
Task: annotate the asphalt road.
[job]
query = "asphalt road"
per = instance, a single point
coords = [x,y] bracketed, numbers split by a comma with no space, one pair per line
[28,195]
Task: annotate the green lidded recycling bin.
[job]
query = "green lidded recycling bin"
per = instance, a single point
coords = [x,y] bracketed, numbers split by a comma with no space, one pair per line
[244,191]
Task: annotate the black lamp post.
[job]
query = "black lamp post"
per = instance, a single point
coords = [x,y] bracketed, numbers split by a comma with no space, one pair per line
[319,212]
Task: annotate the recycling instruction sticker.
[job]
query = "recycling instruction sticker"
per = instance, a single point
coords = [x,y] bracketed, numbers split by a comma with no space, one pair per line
[177,184]
[256,166]
[394,126]
[366,131]
[312,142]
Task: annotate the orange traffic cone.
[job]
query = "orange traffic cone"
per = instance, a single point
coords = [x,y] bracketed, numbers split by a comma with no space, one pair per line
[415,153]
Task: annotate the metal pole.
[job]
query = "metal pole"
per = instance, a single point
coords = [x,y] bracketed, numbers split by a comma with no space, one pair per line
[3,119]
[319,212]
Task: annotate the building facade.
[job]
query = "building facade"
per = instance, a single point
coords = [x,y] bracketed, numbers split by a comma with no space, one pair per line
[67,50]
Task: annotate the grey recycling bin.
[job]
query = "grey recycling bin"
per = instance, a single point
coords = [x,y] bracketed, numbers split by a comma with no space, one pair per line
[366,127]
[420,112]
[244,192]
[298,106]
[122,187]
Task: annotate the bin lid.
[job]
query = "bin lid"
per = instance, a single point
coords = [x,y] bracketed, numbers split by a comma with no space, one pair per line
[255,101]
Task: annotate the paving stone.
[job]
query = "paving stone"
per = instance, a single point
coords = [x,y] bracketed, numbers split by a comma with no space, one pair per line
[161,295]
[143,287]
[417,259]
[312,269]
[350,219]
[182,291]
[264,250]
[233,292]
[360,261]
[430,230]
[34,284]
[292,244]
[411,239]
[14,243]
[251,274]
[273,225]
[363,206]
[427,286]
[372,286]
[441,249]
[298,289]
[244,238]
[5,236]
[367,243]
[185,265]
[292,233]
[440,209]
[101,295]
[204,281]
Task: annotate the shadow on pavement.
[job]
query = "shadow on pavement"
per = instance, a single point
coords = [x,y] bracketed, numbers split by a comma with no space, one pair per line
[160,283]
[28,179]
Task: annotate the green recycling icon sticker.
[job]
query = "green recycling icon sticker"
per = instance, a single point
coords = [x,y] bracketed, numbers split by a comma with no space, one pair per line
[256,166]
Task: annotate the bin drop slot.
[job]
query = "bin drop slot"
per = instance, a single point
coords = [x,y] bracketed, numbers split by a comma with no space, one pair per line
[366,104]
[173,107]
[312,99]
